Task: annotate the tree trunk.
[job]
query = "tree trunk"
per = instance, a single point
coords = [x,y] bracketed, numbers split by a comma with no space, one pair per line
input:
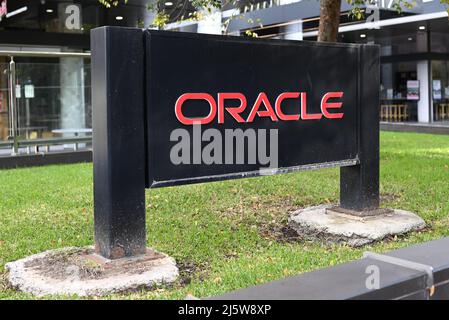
[329,20]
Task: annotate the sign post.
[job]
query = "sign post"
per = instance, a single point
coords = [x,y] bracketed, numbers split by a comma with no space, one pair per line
[119,142]
[359,184]
[174,108]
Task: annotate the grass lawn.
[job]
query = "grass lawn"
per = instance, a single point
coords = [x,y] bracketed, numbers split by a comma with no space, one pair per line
[224,235]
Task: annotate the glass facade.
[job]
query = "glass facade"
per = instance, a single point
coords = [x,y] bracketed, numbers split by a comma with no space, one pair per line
[4,116]
[398,93]
[439,42]
[53,91]
[52,94]
[440,90]
[78,17]
[414,76]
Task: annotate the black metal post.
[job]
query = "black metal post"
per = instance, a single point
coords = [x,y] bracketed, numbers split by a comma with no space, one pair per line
[359,185]
[118,141]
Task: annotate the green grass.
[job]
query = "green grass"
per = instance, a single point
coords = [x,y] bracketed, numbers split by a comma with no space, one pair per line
[227,232]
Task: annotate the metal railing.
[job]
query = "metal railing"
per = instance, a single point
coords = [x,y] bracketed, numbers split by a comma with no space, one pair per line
[46,143]
[12,105]
[44,54]
[13,140]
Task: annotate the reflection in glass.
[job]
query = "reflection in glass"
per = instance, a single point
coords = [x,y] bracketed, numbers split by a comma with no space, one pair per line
[440,90]
[53,100]
[399,90]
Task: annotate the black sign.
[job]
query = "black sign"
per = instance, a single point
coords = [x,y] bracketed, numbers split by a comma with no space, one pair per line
[174,108]
[305,93]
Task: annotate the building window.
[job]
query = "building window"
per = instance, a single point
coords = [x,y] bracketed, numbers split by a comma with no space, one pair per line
[440,90]
[399,92]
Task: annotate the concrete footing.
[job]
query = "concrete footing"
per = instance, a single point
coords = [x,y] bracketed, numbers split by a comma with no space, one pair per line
[79,271]
[323,223]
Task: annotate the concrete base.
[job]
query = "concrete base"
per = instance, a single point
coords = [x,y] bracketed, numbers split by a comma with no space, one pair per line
[331,226]
[79,271]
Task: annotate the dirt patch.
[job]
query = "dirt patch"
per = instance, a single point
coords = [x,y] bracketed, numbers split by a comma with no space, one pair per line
[84,264]
[403,236]
[273,225]
[284,234]
[4,285]
[387,197]
[256,208]
[327,239]
[189,270]
[267,214]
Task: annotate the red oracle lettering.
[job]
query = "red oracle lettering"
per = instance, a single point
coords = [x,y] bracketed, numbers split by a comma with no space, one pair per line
[195,96]
[331,105]
[269,112]
[278,107]
[233,111]
[304,114]
[218,107]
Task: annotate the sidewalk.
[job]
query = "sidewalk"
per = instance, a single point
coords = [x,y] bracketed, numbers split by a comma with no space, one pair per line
[440,127]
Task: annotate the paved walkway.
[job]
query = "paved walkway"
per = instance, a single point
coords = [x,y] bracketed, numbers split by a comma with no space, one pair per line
[440,127]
